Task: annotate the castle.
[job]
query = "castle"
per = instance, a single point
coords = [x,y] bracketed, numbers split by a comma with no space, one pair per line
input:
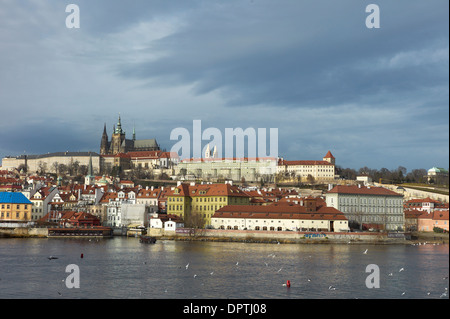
[120,144]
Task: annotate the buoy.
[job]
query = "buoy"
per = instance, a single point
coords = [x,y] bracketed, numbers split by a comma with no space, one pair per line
[288,283]
[81,255]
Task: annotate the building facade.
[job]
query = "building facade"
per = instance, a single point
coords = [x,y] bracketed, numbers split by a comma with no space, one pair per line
[50,162]
[213,169]
[305,217]
[306,171]
[196,204]
[374,207]
[14,207]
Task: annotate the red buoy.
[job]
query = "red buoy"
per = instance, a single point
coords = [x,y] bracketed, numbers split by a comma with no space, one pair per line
[288,283]
[81,255]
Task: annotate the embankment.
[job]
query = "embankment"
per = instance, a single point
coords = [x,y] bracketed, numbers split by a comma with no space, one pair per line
[283,237]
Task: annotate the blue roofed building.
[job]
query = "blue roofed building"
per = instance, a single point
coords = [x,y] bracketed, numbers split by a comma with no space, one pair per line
[14,207]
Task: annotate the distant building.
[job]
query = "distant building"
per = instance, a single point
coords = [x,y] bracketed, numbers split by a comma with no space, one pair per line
[236,169]
[49,162]
[370,207]
[320,171]
[120,144]
[437,175]
[425,204]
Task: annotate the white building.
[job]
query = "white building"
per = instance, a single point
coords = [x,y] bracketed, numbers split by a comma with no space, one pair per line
[306,216]
[376,207]
[149,197]
[321,171]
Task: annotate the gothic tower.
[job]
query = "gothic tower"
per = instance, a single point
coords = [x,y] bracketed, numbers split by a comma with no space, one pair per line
[117,139]
[104,144]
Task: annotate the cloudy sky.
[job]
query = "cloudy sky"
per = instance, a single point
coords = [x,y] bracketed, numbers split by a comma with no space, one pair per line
[311,68]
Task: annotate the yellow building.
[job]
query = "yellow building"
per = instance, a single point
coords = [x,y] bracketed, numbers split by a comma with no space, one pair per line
[197,203]
[14,207]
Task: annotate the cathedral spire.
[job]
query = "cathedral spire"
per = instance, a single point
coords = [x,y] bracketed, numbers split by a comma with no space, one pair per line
[134,134]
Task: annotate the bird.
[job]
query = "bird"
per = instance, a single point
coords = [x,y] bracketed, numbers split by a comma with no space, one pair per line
[187,266]
[211,273]
[390,274]
[365,251]
[428,293]
[403,293]
[52,257]
[266,264]
[195,276]
[309,279]
[280,269]
[401,269]
[237,263]
[331,288]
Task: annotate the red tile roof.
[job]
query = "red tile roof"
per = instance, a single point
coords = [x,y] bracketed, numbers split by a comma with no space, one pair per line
[284,162]
[208,190]
[279,212]
[363,190]
[329,155]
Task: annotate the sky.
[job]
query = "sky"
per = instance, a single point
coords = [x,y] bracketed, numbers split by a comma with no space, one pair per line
[375,97]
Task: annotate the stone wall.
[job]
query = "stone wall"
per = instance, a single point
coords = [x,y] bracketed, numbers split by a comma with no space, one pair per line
[274,236]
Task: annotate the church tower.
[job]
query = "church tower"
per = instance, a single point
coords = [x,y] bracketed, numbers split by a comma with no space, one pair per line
[117,139]
[104,144]
[329,158]
[89,179]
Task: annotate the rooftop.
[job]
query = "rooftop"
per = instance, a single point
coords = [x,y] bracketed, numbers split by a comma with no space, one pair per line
[362,190]
[13,198]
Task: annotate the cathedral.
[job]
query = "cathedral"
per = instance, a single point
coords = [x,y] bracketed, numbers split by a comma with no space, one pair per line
[120,144]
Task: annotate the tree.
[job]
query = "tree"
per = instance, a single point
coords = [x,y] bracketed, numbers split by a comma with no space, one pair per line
[55,166]
[310,179]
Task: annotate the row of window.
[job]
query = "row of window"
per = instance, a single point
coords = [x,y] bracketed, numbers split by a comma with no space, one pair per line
[196,207]
[369,201]
[7,215]
[200,199]
[8,206]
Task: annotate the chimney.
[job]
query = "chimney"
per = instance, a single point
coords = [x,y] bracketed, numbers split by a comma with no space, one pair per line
[330,187]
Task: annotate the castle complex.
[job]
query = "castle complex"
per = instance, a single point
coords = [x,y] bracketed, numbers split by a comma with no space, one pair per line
[124,153]
[120,144]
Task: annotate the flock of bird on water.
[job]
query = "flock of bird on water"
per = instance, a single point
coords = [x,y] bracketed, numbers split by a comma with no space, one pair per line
[288,283]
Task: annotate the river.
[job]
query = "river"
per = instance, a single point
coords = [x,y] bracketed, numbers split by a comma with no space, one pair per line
[122,268]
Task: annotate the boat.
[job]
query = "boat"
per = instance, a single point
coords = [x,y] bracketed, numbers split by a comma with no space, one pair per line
[147,240]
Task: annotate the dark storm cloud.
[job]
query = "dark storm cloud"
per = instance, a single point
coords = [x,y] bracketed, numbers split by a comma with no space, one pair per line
[374,97]
[302,53]
[44,135]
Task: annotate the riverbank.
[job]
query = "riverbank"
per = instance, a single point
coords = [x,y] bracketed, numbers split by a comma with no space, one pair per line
[430,237]
[265,237]
[280,237]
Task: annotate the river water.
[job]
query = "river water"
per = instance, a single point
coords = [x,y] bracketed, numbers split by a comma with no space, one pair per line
[124,268]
